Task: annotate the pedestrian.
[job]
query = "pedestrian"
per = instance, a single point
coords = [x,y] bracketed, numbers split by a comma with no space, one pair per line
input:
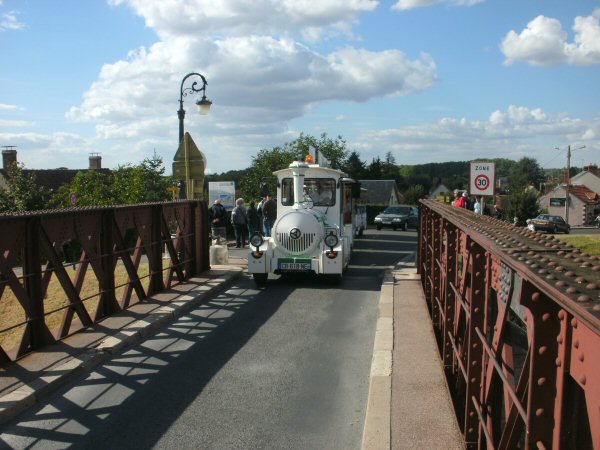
[477,206]
[259,209]
[239,220]
[460,200]
[269,210]
[218,217]
[253,219]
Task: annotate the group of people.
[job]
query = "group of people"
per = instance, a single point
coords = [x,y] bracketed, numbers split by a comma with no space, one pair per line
[246,221]
[461,200]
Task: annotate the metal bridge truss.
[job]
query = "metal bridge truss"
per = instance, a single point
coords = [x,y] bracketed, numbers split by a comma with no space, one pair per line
[517,319]
[77,253]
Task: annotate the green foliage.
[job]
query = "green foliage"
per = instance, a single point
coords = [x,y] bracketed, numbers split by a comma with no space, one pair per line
[21,193]
[268,161]
[523,205]
[127,184]
[414,193]
[526,172]
[355,167]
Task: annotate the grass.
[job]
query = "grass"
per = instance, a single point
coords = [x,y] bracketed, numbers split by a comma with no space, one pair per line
[589,243]
[12,313]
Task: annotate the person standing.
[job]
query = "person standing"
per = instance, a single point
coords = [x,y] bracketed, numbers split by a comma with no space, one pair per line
[239,220]
[253,219]
[259,209]
[218,216]
[477,206]
[269,210]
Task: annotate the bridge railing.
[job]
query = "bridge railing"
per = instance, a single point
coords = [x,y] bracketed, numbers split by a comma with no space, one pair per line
[64,270]
[517,319]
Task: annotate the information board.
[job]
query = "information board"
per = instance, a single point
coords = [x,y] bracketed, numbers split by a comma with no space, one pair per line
[483,178]
[224,191]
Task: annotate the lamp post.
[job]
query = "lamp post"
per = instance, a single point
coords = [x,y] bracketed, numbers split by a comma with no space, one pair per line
[568,179]
[203,108]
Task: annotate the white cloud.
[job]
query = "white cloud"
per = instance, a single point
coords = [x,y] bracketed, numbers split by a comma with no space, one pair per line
[544,42]
[15,123]
[9,21]
[243,17]
[517,132]
[256,83]
[412,4]
[6,107]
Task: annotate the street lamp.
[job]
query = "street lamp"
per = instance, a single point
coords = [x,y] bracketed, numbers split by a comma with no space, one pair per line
[203,108]
[568,179]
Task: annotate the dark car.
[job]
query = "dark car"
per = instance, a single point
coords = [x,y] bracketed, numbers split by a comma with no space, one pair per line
[398,216]
[550,224]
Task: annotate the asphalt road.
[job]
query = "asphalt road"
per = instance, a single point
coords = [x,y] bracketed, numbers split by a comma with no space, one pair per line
[283,367]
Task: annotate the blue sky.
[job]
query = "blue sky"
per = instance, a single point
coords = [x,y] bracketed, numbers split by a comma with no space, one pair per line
[428,80]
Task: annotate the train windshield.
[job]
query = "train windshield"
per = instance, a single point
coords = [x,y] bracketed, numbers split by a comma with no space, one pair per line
[320,190]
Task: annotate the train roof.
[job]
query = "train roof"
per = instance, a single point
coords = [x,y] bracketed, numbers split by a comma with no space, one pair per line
[314,170]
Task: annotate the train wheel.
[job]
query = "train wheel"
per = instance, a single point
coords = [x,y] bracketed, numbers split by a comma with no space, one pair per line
[260,279]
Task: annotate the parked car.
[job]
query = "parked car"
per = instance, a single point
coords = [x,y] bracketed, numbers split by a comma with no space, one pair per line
[397,216]
[550,224]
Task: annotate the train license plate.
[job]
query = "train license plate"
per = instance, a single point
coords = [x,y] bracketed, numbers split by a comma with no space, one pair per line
[295,264]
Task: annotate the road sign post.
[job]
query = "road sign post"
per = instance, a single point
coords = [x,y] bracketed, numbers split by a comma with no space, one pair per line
[483,180]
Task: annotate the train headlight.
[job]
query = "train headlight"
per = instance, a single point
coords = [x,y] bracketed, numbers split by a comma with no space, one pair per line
[256,240]
[331,240]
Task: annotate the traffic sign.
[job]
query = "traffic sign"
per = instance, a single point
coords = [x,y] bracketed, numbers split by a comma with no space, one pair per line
[73,199]
[483,178]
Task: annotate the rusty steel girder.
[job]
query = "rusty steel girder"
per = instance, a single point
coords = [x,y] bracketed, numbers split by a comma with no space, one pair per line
[39,250]
[516,315]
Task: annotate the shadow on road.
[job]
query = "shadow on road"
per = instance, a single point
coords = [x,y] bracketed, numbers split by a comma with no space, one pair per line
[175,365]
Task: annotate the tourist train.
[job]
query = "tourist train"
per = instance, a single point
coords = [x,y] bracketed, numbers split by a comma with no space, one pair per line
[315,227]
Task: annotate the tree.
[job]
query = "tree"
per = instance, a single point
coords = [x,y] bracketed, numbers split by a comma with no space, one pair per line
[268,161]
[22,193]
[127,184]
[354,167]
[414,193]
[523,205]
[374,170]
[525,173]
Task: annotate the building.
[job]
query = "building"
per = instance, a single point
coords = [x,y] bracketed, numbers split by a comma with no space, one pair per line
[588,178]
[440,189]
[50,179]
[381,192]
[584,204]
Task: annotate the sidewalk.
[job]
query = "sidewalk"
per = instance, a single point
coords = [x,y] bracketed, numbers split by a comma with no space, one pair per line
[24,382]
[409,405]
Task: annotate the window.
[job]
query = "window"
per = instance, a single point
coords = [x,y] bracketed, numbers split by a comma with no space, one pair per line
[557,202]
[321,190]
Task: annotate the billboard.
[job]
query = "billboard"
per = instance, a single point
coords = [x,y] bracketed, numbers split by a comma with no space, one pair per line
[483,178]
[224,191]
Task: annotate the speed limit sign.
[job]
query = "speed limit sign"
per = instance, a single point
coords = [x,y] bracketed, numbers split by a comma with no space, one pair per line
[483,178]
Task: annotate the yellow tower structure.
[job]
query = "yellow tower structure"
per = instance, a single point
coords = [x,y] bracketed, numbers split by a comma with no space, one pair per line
[189,164]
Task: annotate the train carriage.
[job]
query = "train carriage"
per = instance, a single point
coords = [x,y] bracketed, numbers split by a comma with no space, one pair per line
[314,229]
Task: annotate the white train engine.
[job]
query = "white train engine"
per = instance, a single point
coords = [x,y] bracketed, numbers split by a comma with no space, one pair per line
[314,231]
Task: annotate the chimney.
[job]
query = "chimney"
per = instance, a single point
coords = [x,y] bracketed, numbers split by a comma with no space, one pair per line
[565,176]
[9,155]
[95,161]
[592,168]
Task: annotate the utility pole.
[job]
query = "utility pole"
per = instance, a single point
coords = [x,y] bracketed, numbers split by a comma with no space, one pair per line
[568,179]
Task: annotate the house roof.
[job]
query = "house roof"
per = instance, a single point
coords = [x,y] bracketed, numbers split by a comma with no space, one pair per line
[588,179]
[52,179]
[379,192]
[584,194]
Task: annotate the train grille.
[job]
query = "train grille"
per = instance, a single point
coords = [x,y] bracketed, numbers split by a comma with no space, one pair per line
[300,245]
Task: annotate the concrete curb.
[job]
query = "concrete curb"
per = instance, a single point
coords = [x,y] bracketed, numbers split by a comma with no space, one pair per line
[377,430]
[25,396]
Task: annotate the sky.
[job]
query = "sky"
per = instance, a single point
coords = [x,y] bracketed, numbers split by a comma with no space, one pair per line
[427,80]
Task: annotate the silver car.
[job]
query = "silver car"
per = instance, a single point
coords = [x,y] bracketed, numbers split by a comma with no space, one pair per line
[398,216]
